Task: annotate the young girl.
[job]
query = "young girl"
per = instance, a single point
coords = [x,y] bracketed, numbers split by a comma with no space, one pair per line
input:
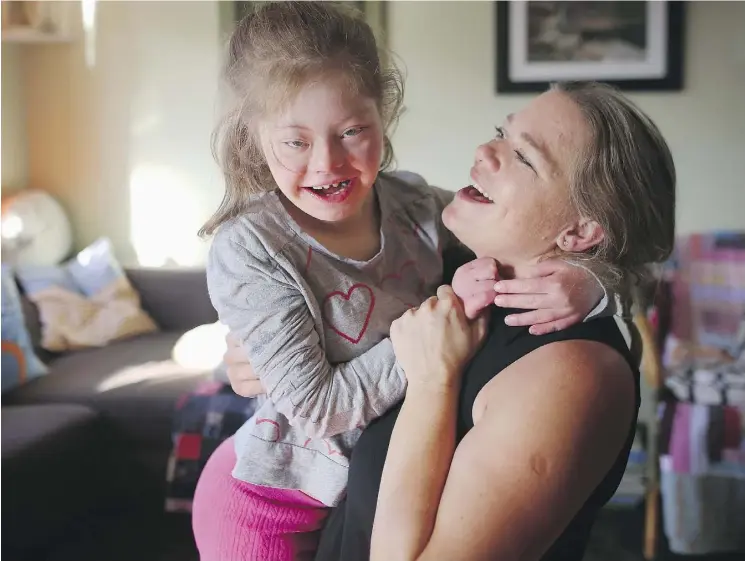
[315,253]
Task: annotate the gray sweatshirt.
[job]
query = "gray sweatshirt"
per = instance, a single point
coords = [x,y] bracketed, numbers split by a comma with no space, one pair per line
[315,328]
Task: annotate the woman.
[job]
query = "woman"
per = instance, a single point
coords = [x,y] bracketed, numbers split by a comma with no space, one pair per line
[474,466]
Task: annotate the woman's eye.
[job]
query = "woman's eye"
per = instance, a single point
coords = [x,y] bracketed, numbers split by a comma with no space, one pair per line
[354,131]
[499,134]
[523,160]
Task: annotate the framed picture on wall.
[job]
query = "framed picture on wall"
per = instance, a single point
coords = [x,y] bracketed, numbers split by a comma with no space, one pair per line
[633,45]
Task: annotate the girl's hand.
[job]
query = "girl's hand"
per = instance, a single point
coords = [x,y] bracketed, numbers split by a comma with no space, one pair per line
[560,295]
[242,378]
[474,282]
[434,342]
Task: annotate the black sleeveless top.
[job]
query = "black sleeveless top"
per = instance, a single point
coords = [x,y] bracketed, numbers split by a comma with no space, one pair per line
[346,535]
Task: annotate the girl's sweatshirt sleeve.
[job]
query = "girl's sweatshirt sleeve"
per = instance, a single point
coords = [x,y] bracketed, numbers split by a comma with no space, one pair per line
[268,313]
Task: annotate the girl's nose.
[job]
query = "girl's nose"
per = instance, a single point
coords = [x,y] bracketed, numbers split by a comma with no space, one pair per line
[327,156]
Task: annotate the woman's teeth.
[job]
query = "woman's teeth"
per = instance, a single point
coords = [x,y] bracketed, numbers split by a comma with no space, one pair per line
[483,193]
[341,184]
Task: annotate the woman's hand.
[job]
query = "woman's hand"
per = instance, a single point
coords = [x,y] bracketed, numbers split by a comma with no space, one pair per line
[242,378]
[558,293]
[434,342]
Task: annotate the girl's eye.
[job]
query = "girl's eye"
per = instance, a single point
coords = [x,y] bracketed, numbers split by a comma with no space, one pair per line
[499,134]
[354,131]
[296,144]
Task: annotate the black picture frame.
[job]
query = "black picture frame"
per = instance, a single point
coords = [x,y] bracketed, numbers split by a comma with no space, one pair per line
[673,80]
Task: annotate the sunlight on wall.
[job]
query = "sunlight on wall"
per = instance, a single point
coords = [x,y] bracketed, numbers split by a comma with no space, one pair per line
[164,217]
[201,348]
[149,373]
[88,8]
[197,351]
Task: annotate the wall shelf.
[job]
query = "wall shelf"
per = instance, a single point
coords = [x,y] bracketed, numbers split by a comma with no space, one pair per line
[31,35]
[35,22]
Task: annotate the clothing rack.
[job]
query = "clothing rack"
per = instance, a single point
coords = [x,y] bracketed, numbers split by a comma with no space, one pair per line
[651,367]
[641,480]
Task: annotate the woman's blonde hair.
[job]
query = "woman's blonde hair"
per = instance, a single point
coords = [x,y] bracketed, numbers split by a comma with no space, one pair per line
[272,54]
[625,181]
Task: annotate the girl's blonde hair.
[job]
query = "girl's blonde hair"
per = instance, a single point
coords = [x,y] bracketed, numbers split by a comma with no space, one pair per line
[272,54]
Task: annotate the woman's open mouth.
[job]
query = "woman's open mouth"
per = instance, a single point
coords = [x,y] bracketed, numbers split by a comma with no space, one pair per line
[333,192]
[474,193]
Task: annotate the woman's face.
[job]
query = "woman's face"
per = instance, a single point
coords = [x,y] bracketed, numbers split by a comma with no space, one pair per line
[524,174]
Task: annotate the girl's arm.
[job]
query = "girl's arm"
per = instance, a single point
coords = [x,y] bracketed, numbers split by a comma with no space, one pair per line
[547,429]
[271,319]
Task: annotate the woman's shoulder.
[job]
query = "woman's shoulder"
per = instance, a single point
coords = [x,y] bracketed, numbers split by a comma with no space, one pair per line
[518,341]
[599,340]
[551,433]
[514,342]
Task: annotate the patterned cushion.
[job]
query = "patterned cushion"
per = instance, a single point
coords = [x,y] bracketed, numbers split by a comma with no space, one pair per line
[202,421]
[87,302]
[19,362]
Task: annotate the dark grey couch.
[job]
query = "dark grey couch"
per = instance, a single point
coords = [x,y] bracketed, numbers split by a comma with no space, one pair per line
[96,430]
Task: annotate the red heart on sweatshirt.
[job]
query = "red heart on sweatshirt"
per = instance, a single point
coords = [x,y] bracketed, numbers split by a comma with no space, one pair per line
[357,302]
[407,279]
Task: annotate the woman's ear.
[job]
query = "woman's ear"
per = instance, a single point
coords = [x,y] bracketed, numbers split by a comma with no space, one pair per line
[581,237]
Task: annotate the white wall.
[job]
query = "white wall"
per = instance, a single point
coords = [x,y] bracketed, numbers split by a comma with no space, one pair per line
[449,52]
[13,118]
[125,144]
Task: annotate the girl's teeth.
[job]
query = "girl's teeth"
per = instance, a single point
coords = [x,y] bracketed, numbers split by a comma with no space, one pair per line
[330,185]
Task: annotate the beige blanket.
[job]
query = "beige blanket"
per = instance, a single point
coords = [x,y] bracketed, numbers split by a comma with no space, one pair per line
[72,321]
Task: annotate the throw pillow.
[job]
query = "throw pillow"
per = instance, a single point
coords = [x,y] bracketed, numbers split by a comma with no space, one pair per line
[19,362]
[86,302]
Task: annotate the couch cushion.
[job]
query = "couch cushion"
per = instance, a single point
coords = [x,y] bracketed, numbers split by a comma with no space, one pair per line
[56,469]
[28,429]
[164,293]
[135,383]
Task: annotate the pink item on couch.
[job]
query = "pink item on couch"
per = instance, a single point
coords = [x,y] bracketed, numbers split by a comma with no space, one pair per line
[238,521]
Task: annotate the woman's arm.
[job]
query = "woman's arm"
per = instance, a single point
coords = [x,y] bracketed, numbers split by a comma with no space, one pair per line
[547,430]
[416,469]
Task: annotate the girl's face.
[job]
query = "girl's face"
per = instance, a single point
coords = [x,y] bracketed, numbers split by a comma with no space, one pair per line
[324,150]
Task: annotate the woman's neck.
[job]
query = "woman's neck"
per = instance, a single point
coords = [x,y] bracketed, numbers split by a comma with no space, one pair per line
[520,266]
[517,269]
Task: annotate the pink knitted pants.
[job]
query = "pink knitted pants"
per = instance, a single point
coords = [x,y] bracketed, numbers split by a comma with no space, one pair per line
[237,521]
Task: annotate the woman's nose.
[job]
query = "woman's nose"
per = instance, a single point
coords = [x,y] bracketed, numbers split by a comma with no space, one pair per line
[487,157]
